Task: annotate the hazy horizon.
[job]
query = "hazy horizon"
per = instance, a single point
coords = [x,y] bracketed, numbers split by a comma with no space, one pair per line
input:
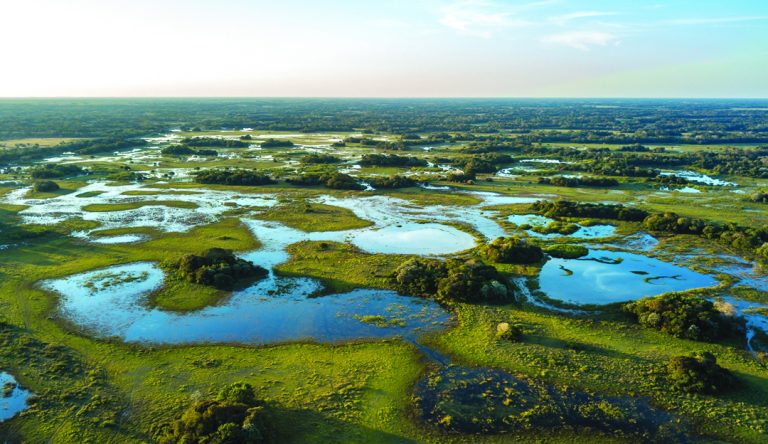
[587,49]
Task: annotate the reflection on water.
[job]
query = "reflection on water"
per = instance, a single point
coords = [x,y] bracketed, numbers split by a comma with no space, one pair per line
[604,277]
[13,398]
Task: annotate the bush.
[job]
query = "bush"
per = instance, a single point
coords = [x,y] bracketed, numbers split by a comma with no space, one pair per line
[392,182]
[511,250]
[699,373]
[275,143]
[51,171]
[683,316]
[453,281]
[126,176]
[320,159]
[558,227]
[218,268]
[509,332]
[215,141]
[391,160]
[45,186]
[567,251]
[182,150]
[236,416]
[233,177]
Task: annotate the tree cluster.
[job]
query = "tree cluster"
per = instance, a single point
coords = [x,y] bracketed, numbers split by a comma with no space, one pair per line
[233,177]
[511,250]
[683,316]
[218,268]
[235,416]
[453,280]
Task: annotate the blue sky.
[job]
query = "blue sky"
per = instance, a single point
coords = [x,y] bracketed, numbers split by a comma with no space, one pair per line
[396,48]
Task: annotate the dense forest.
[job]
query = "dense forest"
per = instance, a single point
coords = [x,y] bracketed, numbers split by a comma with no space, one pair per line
[541,120]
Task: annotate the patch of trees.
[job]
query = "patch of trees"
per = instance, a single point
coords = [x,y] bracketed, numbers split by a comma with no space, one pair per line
[483,163]
[742,238]
[567,251]
[453,280]
[233,177]
[700,373]
[566,208]
[214,142]
[579,181]
[183,150]
[462,177]
[320,159]
[391,182]
[511,250]
[218,268]
[575,121]
[81,147]
[51,171]
[683,316]
[126,176]
[670,179]
[391,160]
[760,197]
[335,180]
[276,143]
[45,186]
[235,416]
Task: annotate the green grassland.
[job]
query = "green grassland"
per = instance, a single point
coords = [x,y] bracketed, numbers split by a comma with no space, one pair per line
[98,390]
[306,216]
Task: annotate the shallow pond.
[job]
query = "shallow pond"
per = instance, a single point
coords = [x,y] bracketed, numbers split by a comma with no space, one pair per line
[210,205]
[482,400]
[13,398]
[274,310]
[584,232]
[693,176]
[604,277]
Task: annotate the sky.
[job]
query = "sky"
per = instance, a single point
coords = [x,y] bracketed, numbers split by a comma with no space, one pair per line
[392,48]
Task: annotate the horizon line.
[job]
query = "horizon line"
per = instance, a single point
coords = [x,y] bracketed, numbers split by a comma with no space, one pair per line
[396,97]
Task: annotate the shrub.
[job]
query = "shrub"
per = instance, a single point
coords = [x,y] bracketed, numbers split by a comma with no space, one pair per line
[218,268]
[699,373]
[511,250]
[683,316]
[320,158]
[452,280]
[233,177]
[509,332]
[567,251]
[275,143]
[392,182]
[236,416]
[51,171]
[45,186]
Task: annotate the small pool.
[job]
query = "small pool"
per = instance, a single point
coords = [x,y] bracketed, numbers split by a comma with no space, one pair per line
[584,232]
[13,398]
[112,302]
[604,277]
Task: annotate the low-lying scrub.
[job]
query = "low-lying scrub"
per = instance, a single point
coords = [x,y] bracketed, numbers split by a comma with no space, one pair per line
[684,316]
[233,177]
[235,416]
[700,373]
[218,268]
[453,281]
[512,250]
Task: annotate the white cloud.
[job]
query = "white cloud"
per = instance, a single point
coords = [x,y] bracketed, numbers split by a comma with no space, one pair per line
[714,20]
[583,40]
[566,18]
[481,18]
